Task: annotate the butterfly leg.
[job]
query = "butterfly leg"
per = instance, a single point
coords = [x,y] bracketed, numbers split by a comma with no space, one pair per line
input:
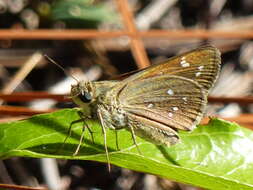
[91,134]
[80,142]
[117,142]
[134,138]
[84,117]
[69,129]
[69,133]
[104,133]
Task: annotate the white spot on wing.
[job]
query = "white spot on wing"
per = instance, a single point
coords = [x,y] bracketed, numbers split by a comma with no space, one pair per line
[201,67]
[185,100]
[175,108]
[170,114]
[183,63]
[150,105]
[198,74]
[170,92]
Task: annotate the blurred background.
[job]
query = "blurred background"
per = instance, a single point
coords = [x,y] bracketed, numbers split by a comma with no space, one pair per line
[92,40]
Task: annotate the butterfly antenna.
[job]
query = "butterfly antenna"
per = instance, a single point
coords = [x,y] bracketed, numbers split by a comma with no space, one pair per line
[58,65]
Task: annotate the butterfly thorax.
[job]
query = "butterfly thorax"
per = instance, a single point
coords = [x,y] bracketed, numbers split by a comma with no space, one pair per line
[112,113]
[93,97]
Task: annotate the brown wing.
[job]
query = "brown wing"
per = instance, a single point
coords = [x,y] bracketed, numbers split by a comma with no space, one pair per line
[172,93]
[201,65]
[172,101]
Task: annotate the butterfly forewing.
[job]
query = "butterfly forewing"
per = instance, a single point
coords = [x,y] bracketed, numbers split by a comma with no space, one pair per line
[173,101]
[201,65]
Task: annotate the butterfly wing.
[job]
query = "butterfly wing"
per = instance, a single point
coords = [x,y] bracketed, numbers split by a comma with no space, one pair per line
[169,95]
[201,65]
[172,101]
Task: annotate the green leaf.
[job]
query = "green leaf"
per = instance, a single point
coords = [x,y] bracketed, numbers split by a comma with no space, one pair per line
[216,156]
[80,13]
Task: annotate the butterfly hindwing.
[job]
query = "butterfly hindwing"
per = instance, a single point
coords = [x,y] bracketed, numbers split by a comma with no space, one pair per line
[172,101]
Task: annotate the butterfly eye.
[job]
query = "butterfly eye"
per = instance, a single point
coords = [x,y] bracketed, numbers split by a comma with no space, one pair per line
[85,97]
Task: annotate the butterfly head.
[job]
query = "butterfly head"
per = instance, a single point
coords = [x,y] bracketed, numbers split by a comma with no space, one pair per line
[82,93]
